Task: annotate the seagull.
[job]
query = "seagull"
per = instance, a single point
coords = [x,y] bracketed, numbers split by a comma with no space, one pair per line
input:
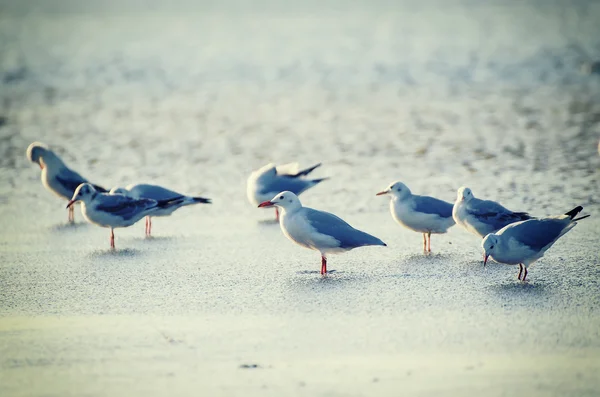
[422,214]
[317,230]
[56,176]
[267,181]
[482,217]
[525,242]
[114,210]
[158,193]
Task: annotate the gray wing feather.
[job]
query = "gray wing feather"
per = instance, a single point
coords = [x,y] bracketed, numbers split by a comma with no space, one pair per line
[283,183]
[124,206]
[153,192]
[536,233]
[431,205]
[70,179]
[331,225]
[493,214]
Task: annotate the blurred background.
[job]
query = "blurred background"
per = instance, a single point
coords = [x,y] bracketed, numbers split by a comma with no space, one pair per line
[501,96]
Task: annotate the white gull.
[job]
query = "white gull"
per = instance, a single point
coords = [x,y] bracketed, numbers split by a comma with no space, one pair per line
[317,230]
[523,243]
[422,214]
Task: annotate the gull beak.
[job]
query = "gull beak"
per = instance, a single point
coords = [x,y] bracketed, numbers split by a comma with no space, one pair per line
[485,258]
[265,204]
[382,193]
[71,202]
[41,166]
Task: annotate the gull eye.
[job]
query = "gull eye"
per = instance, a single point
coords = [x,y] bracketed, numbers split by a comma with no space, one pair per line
[280,197]
[492,247]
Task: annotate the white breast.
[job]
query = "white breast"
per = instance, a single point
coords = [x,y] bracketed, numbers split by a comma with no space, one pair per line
[296,227]
[404,213]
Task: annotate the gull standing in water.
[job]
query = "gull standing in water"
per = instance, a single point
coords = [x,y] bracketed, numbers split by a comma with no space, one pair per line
[482,217]
[523,243]
[317,230]
[422,214]
[56,176]
[113,210]
[269,180]
[158,193]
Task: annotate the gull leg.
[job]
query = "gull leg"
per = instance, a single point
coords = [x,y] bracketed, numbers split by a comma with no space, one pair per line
[71,214]
[520,270]
[146,229]
[149,225]
[429,242]
[524,275]
[424,242]
[323,265]
[277,214]
[112,238]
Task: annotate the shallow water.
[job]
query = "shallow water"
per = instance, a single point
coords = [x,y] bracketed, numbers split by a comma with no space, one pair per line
[194,97]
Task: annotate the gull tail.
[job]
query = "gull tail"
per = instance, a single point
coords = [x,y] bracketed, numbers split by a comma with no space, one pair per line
[315,181]
[580,218]
[522,216]
[573,213]
[170,202]
[200,200]
[306,171]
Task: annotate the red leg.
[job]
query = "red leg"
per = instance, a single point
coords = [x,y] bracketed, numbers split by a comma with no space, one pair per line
[149,225]
[323,265]
[71,214]
[424,242]
[520,270]
[277,214]
[146,229]
[112,238]
[524,275]
[429,242]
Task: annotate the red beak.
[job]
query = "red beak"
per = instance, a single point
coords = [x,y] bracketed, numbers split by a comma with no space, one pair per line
[71,202]
[485,258]
[381,193]
[265,204]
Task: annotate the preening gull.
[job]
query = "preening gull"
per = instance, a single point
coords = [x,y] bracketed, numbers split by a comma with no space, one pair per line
[56,176]
[269,180]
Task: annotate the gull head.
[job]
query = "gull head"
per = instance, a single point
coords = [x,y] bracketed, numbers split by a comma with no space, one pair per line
[489,245]
[286,200]
[397,190]
[84,192]
[464,194]
[35,151]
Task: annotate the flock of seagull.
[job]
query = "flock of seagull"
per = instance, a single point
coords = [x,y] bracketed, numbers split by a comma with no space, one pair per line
[512,238]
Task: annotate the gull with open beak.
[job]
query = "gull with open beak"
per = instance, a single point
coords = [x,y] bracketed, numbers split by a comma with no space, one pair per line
[317,230]
[522,243]
[422,214]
